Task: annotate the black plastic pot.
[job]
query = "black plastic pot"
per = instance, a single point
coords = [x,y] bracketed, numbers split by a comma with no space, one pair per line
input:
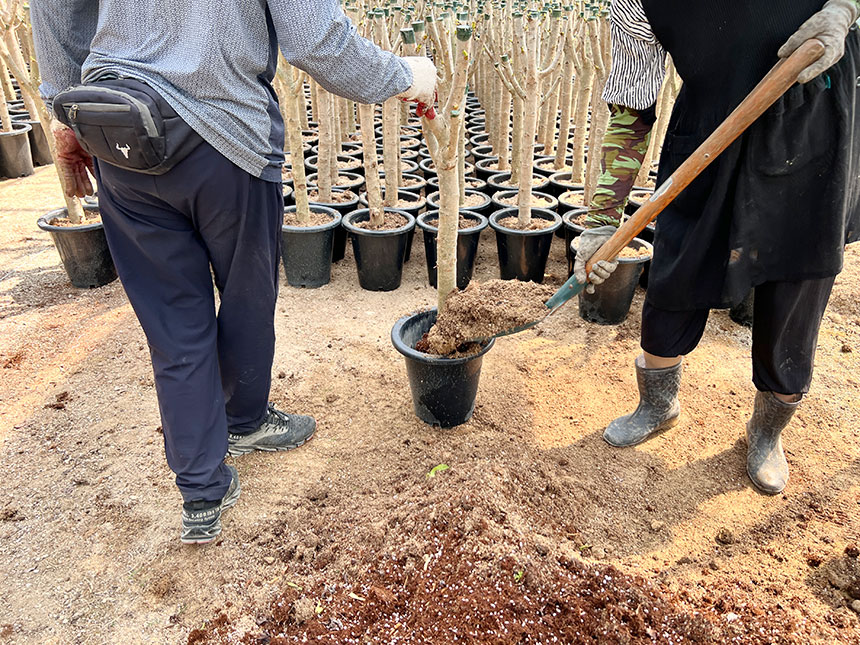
[483,152]
[443,389]
[83,250]
[483,172]
[16,158]
[610,302]
[571,232]
[39,147]
[523,254]
[379,255]
[288,193]
[543,159]
[499,182]
[560,183]
[433,202]
[512,195]
[346,181]
[418,201]
[472,183]
[467,245]
[311,164]
[742,313]
[418,185]
[429,169]
[307,250]
[339,244]
[478,139]
[478,136]
[565,206]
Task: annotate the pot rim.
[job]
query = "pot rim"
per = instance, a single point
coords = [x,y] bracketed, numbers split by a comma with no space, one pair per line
[18,128]
[495,217]
[317,208]
[543,184]
[429,359]
[639,260]
[334,205]
[514,191]
[352,228]
[482,220]
[42,222]
[420,202]
[469,191]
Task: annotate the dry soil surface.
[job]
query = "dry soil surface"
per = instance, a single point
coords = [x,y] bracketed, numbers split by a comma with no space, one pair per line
[349,540]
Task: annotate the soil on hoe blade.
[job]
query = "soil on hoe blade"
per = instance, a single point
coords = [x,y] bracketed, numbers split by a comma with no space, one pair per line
[483,310]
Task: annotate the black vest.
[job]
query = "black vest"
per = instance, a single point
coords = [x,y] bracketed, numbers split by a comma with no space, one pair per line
[723,48]
[782,201]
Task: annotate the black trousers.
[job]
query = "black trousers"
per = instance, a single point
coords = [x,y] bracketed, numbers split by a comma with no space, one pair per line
[787,318]
[169,235]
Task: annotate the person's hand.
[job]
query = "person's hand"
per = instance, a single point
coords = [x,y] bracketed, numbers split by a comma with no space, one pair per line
[830,26]
[587,245]
[73,161]
[423,88]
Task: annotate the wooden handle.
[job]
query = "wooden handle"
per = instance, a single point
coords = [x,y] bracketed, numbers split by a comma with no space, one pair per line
[766,93]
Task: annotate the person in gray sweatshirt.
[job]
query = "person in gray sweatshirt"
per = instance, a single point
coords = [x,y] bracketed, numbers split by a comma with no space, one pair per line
[218,211]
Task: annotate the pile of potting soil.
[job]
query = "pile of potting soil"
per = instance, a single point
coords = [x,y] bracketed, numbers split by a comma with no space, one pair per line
[483,310]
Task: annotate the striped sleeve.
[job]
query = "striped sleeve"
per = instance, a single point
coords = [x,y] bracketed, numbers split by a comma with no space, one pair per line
[638,59]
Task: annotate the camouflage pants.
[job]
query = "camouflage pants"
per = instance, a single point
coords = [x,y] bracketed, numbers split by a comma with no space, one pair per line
[624,148]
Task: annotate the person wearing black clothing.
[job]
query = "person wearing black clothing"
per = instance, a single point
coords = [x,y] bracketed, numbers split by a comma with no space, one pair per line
[773,213]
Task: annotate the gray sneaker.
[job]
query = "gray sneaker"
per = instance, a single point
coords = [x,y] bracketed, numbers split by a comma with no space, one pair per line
[201,521]
[279,431]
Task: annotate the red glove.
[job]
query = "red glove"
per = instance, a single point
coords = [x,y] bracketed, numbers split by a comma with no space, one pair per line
[73,161]
[427,111]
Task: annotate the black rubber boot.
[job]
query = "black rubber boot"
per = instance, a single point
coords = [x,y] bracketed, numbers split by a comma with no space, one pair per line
[658,409]
[766,464]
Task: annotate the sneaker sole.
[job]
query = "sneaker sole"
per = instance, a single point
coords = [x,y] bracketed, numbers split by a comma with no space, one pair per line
[238,452]
[205,540]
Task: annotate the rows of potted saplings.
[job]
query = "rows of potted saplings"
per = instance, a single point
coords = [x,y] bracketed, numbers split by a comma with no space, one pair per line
[23,144]
[339,197]
[510,155]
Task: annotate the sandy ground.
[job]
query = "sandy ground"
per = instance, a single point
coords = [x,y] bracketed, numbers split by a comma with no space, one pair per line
[89,549]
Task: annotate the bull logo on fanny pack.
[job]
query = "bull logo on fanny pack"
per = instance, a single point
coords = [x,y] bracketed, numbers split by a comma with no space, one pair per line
[124,150]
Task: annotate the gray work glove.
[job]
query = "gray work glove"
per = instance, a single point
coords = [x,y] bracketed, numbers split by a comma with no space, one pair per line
[830,26]
[588,244]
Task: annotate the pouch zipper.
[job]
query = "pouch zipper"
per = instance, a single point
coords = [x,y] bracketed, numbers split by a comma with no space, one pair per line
[146,115]
[97,107]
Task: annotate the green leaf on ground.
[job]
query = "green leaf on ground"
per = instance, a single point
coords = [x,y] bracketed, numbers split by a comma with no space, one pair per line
[437,469]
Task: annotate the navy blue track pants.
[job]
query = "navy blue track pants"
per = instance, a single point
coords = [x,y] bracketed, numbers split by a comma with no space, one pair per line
[169,236]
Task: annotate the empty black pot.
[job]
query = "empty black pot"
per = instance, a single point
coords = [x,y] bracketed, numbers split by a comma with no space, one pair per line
[611,300]
[523,254]
[83,250]
[307,250]
[467,245]
[443,389]
[16,159]
[379,255]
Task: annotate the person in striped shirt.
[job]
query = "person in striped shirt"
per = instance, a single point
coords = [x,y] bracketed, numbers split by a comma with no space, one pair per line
[773,213]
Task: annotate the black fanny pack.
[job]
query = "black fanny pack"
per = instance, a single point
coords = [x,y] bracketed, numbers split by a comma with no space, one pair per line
[127,124]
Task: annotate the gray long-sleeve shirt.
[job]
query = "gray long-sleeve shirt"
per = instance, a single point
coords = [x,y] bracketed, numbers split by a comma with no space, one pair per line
[213,61]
